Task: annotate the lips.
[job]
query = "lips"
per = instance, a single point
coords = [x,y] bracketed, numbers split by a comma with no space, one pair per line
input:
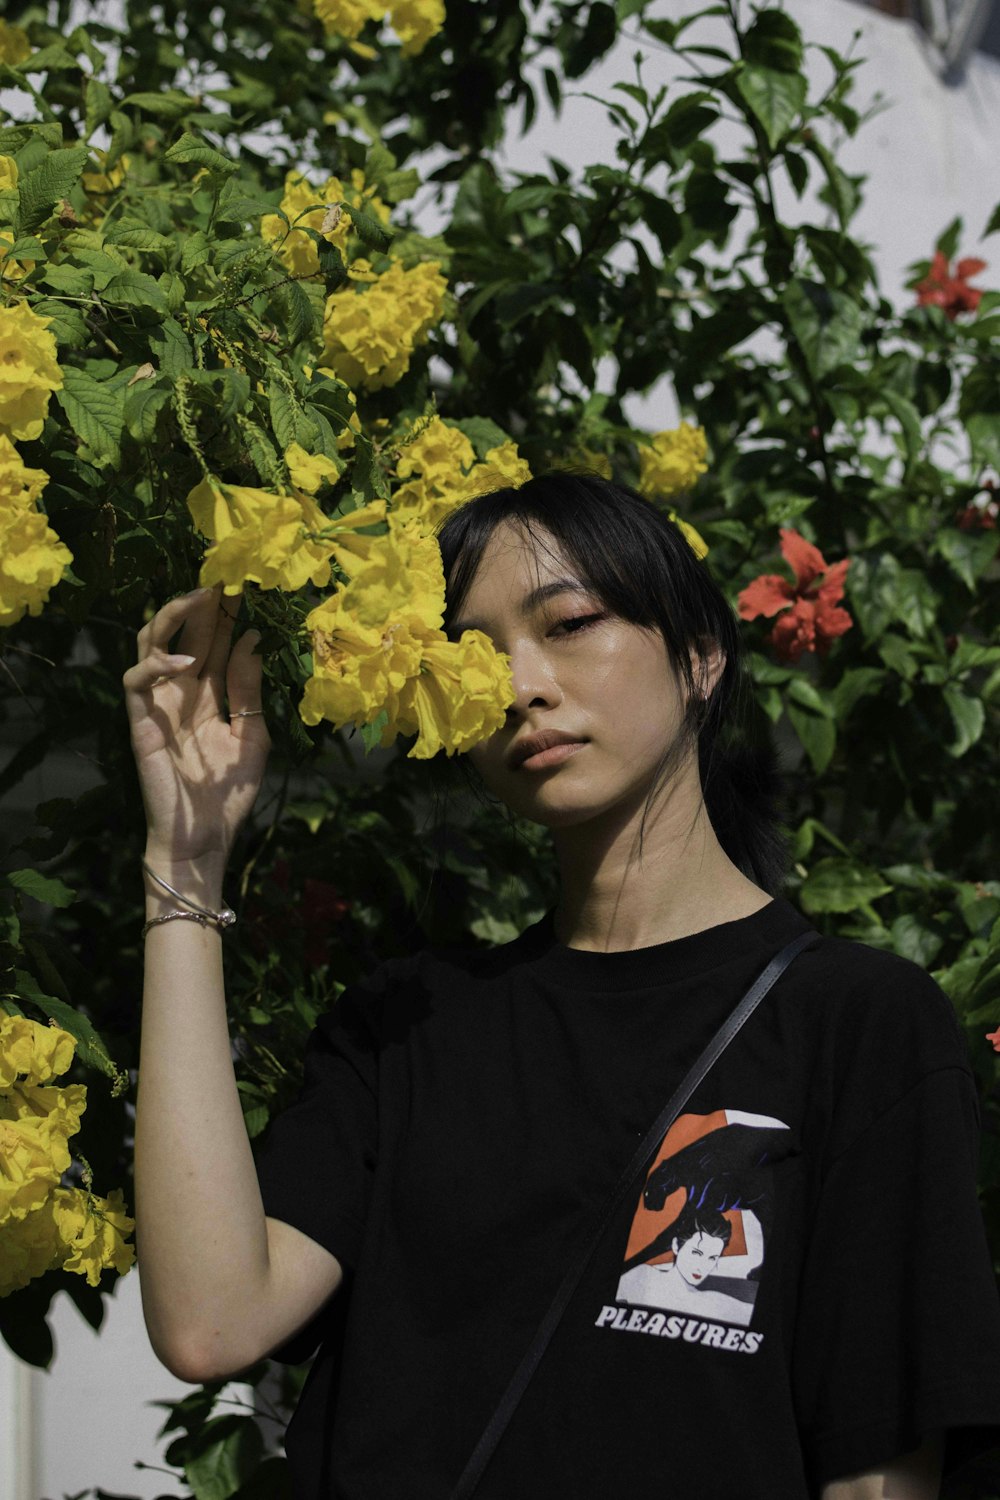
[533,744]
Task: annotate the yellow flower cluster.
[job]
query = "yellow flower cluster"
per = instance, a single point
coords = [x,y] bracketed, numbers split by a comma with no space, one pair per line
[28,371]
[369,335]
[414,21]
[102,182]
[306,207]
[448,475]
[14,44]
[32,558]
[17,269]
[378,646]
[43,1225]
[672,461]
[278,541]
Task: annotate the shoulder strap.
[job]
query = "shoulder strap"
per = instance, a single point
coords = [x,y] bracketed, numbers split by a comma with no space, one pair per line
[484,1449]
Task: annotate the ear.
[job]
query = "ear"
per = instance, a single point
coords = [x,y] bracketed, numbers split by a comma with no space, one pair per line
[708,661]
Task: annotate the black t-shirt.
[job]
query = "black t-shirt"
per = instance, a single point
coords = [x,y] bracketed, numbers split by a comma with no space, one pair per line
[801,1289]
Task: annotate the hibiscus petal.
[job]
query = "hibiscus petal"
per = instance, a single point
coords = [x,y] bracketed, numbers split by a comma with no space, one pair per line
[806,560]
[764,596]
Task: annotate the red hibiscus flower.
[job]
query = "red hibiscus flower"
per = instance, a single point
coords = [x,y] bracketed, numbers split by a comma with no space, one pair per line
[950,291]
[811,618]
[994,1037]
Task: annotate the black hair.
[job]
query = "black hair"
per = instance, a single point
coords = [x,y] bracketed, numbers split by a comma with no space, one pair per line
[642,568]
[691,1221]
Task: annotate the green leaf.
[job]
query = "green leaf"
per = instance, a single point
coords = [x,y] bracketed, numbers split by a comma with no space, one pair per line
[229,1448]
[826,323]
[168,103]
[968,717]
[993,222]
[95,412]
[369,229]
[817,734]
[171,348]
[143,403]
[137,236]
[97,105]
[71,281]
[371,734]
[967,553]
[908,418]
[857,683]
[773,41]
[53,180]
[191,151]
[65,323]
[41,887]
[90,1046]
[838,885]
[482,434]
[296,317]
[135,289]
[775,99]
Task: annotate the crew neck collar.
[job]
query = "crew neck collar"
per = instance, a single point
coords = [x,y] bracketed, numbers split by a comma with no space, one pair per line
[763,932]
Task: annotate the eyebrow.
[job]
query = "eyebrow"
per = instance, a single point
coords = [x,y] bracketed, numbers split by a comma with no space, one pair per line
[530,602]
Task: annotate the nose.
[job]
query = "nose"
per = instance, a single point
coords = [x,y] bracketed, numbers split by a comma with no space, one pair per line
[532,680]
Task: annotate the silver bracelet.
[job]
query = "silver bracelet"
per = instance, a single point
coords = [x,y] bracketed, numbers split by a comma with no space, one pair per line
[222,919]
[173,916]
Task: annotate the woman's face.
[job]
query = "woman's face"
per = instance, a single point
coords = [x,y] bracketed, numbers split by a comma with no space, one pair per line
[698,1257]
[601,685]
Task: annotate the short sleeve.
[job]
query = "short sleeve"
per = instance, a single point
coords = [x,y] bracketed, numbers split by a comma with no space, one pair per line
[898,1325]
[317,1159]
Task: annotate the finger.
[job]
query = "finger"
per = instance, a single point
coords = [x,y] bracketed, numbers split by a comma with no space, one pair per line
[244,678]
[157,633]
[199,627]
[213,670]
[158,666]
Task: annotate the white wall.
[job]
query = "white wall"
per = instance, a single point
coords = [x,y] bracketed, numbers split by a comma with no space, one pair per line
[932,155]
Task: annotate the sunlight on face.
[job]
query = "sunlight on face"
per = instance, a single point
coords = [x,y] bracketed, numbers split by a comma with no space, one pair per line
[604,685]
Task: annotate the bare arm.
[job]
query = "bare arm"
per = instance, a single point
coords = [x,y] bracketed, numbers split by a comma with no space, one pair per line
[221,1285]
[912,1476]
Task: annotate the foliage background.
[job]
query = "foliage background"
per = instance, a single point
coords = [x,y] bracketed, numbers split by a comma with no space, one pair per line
[873,433]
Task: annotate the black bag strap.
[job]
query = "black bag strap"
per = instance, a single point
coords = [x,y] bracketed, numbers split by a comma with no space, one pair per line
[483,1452]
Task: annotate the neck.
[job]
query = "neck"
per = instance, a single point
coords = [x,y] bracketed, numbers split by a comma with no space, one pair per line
[611,900]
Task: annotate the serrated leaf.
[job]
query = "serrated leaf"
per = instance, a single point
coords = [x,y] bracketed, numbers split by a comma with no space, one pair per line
[65,323]
[482,434]
[143,404]
[774,98]
[95,412]
[189,150]
[296,312]
[41,887]
[171,347]
[137,236]
[71,281]
[97,105]
[90,1048]
[169,103]
[48,184]
[135,289]
[27,248]
[369,229]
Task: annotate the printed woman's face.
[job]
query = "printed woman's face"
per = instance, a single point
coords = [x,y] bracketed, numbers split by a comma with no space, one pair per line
[603,685]
[698,1257]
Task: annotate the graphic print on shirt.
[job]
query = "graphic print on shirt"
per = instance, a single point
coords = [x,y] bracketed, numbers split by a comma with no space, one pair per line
[698,1237]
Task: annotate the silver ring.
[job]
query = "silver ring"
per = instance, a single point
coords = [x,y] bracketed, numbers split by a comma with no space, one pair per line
[246,713]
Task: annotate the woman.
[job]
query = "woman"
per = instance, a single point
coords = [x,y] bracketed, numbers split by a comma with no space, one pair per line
[465,1114]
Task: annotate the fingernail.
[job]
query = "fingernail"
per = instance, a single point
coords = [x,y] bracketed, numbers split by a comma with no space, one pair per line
[179,661]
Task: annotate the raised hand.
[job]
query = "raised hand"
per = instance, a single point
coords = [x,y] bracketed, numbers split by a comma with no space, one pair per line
[200,769]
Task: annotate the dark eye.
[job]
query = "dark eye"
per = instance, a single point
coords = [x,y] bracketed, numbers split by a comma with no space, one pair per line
[576,623]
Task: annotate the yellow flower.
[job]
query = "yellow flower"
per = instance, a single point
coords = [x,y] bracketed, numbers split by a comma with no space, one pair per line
[378,646]
[20,487]
[102,182]
[347,17]
[56,1109]
[308,471]
[440,454]
[32,561]
[8,173]
[307,207]
[459,697]
[29,1247]
[696,541]
[14,44]
[94,1232]
[370,335]
[673,461]
[29,372]
[31,1163]
[415,22]
[268,539]
[31,1051]
[586,458]
[502,467]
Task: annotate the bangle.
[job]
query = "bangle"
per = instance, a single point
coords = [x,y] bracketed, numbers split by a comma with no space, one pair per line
[222,919]
[173,916]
